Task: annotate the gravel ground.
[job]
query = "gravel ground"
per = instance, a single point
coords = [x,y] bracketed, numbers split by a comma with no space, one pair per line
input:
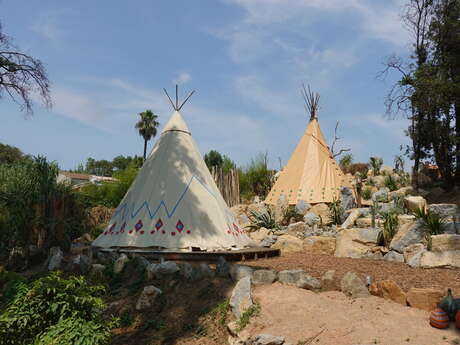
[404,275]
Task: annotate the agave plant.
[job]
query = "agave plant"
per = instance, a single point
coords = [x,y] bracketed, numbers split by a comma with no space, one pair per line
[335,211]
[391,183]
[433,223]
[390,225]
[264,219]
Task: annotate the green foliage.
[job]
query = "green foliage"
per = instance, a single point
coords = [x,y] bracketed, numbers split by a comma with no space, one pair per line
[54,306]
[221,312]
[126,319]
[391,183]
[10,283]
[367,193]
[433,222]
[108,168]
[262,220]
[335,211]
[375,163]
[109,194]
[147,127]
[346,161]
[399,163]
[213,159]
[249,313]
[10,154]
[390,226]
[33,205]
[290,212]
[256,178]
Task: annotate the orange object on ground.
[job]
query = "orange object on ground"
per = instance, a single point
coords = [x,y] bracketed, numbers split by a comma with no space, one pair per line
[439,318]
[457,319]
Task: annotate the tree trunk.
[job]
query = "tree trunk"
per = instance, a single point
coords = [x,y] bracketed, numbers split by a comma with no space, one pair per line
[145,149]
[457,143]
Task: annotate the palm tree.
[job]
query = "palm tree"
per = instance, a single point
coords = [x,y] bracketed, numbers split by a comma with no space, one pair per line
[147,127]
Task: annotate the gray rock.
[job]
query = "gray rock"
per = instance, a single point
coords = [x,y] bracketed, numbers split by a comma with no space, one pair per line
[452,228]
[444,210]
[393,256]
[81,263]
[351,219]
[120,263]
[347,199]
[142,262]
[238,272]
[295,228]
[261,277]
[353,286]
[106,258]
[308,282]
[381,195]
[329,282]
[415,260]
[290,277]
[222,268]
[267,339]
[302,207]
[147,297]
[97,268]
[431,259]
[408,234]
[163,269]
[56,259]
[241,298]
[311,219]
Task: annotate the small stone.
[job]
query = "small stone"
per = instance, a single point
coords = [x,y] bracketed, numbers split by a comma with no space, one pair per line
[308,282]
[388,289]
[311,219]
[56,259]
[267,339]
[302,207]
[413,203]
[393,256]
[261,277]
[237,272]
[288,244]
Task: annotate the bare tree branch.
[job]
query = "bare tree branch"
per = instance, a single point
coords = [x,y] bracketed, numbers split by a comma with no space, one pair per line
[22,76]
[336,139]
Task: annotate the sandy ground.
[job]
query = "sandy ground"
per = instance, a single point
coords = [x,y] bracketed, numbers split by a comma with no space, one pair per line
[404,275]
[331,318]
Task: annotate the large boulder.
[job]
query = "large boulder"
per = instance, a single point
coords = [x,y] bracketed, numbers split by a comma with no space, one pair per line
[405,219]
[302,207]
[413,203]
[120,263]
[401,192]
[382,195]
[290,277]
[259,235]
[393,256]
[408,234]
[319,245]
[364,222]
[445,242]
[353,286]
[322,210]
[262,277]
[288,244]
[329,281]
[308,282]
[351,219]
[241,298]
[347,198]
[311,219]
[388,289]
[148,295]
[410,251]
[452,227]
[162,269]
[445,210]
[426,299]
[356,243]
[431,259]
[238,272]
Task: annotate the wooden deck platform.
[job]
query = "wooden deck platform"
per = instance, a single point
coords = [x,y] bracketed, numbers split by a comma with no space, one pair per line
[230,255]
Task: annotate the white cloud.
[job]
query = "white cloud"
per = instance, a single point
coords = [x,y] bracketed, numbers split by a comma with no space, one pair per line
[181,78]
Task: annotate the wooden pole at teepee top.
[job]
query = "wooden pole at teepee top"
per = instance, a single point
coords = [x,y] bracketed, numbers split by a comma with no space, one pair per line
[311,100]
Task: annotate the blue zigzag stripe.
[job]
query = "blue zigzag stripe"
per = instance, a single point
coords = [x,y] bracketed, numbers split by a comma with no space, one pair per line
[124,207]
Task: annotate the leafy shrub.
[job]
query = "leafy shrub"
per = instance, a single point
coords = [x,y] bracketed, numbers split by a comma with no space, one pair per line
[345,162]
[243,321]
[360,168]
[290,212]
[57,305]
[262,220]
[391,183]
[221,311]
[433,223]
[9,285]
[367,193]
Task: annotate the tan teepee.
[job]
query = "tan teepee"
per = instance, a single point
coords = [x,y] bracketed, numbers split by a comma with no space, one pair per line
[174,202]
[311,175]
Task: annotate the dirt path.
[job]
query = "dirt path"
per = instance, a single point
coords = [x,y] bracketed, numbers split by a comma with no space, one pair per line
[335,319]
[404,275]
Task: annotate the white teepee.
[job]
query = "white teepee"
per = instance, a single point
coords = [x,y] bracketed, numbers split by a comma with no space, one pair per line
[174,202]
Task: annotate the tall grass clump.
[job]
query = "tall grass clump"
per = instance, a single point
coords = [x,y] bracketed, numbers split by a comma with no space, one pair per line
[256,179]
[433,223]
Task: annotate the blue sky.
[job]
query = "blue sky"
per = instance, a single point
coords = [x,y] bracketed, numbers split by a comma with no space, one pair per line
[109,60]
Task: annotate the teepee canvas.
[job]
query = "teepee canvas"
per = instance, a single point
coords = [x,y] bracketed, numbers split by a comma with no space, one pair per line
[174,202]
[311,175]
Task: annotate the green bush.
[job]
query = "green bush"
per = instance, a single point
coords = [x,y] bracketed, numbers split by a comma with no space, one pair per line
[335,212]
[375,163]
[390,226]
[367,193]
[391,183]
[262,220]
[55,307]
[9,285]
[255,178]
